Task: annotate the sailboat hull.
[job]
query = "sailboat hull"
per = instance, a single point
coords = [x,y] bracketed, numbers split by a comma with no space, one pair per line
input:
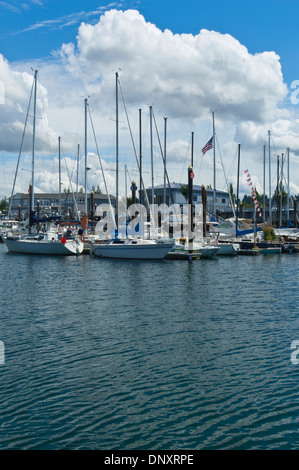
[43,247]
[142,251]
[227,249]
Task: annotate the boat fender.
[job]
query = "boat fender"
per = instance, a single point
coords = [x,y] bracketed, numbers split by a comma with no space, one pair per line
[63,240]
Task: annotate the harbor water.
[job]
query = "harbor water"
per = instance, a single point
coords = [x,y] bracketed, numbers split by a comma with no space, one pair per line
[114,354]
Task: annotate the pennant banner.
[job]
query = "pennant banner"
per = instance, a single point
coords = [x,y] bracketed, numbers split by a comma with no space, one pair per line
[253,193]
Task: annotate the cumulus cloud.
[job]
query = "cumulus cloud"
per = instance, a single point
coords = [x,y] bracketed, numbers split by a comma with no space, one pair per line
[285,132]
[186,74]
[183,76]
[17,88]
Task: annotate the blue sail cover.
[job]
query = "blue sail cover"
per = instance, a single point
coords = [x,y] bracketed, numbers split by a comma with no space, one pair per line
[247,232]
[36,220]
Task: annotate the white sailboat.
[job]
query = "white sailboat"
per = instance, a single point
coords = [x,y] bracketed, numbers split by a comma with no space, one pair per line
[129,248]
[202,249]
[51,241]
[134,248]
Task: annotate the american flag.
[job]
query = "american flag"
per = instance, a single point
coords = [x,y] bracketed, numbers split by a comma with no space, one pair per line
[208,146]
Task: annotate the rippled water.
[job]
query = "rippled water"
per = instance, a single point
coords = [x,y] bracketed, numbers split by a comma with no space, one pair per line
[107,354]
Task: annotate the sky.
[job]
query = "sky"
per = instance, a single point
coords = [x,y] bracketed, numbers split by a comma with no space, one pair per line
[185,59]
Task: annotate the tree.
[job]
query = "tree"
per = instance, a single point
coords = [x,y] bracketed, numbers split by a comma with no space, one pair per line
[269,233]
[185,190]
[247,201]
[277,194]
[231,192]
[3,204]
[257,195]
[96,191]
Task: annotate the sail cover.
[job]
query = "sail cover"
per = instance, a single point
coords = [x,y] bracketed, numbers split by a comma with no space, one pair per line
[37,220]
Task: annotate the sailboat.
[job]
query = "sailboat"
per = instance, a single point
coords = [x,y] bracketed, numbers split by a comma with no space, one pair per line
[132,248]
[129,248]
[49,241]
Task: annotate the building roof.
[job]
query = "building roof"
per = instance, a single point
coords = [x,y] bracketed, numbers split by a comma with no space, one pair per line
[195,188]
[56,195]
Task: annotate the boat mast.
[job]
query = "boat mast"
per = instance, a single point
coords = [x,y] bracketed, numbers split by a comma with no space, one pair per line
[152,155]
[270,209]
[126,198]
[190,199]
[280,191]
[116,147]
[264,186]
[288,190]
[85,181]
[33,140]
[140,158]
[164,190]
[59,165]
[77,182]
[214,160]
[20,152]
[238,177]
[277,192]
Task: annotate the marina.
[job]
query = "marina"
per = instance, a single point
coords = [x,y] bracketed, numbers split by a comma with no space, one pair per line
[149,240]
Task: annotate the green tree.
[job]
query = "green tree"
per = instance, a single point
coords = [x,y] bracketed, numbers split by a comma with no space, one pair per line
[257,195]
[231,192]
[96,190]
[269,233]
[247,201]
[185,190]
[3,204]
[284,194]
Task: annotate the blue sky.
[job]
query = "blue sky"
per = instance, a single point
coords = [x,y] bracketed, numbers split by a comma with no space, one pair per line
[32,29]
[186,58]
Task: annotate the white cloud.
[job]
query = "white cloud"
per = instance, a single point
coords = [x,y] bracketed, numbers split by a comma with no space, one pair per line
[61,21]
[183,76]
[11,7]
[17,87]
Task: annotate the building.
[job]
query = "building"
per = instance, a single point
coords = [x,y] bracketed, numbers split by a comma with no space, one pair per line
[48,203]
[222,197]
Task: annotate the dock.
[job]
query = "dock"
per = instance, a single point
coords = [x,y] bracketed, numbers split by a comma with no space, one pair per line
[248,252]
